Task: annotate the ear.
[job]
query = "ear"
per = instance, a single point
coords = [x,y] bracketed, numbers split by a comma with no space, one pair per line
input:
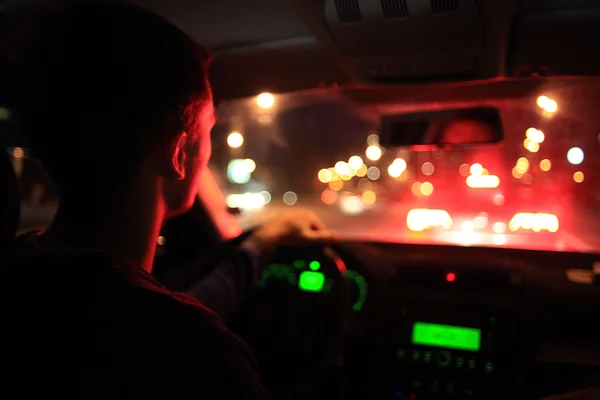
[178,155]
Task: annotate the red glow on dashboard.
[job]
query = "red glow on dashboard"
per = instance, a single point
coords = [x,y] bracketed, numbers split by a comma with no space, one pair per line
[450,277]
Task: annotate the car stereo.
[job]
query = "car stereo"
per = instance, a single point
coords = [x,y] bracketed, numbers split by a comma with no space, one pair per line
[442,359]
[425,350]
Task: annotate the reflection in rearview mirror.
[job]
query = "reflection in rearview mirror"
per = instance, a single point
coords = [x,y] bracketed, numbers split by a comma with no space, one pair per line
[446,129]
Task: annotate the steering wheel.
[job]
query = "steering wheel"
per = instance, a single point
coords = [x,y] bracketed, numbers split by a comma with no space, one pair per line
[296,320]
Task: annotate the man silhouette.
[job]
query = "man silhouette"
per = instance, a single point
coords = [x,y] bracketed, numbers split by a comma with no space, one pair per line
[117,105]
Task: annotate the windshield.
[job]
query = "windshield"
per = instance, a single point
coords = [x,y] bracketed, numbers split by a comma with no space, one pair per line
[320,150]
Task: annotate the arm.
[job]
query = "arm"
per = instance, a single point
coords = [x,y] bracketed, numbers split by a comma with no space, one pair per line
[229,282]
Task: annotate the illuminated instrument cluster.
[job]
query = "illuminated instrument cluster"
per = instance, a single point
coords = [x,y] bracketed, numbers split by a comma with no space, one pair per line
[310,276]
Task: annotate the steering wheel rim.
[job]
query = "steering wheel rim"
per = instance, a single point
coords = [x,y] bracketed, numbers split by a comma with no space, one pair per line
[312,366]
[327,362]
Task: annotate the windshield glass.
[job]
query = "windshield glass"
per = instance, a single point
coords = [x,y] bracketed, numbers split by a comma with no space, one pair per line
[536,190]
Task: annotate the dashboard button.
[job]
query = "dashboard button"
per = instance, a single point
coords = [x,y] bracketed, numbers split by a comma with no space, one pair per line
[460,362]
[472,363]
[427,357]
[489,367]
[416,356]
[444,358]
[401,354]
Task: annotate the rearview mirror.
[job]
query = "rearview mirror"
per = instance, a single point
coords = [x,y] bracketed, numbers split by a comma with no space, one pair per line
[445,129]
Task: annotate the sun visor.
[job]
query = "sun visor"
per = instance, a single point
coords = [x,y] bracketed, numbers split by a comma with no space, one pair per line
[394,41]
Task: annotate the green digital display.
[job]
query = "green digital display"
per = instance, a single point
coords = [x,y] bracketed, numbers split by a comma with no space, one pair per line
[447,336]
[308,276]
[311,281]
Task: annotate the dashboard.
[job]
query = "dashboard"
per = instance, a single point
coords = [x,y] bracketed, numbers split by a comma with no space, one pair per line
[428,322]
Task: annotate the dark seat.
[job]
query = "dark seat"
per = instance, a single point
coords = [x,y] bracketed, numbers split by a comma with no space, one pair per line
[9,201]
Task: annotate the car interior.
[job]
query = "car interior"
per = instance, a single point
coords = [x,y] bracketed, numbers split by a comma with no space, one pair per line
[455,147]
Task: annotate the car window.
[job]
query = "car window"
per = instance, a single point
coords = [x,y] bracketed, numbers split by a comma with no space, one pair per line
[537,190]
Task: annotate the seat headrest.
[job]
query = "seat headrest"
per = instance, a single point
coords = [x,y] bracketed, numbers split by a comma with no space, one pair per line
[10,204]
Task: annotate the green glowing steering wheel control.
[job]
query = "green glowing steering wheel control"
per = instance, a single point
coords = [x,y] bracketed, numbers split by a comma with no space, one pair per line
[311,281]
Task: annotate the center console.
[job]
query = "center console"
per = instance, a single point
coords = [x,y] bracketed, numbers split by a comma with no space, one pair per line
[432,350]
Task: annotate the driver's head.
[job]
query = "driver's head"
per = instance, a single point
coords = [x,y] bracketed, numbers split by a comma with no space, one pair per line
[466,131]
[114,95]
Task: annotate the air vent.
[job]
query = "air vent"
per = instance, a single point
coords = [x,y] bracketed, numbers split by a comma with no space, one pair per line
[348,10]
[394,9]
[444,6]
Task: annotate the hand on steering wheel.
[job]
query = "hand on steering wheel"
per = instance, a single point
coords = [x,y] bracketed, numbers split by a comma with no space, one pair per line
[289,228]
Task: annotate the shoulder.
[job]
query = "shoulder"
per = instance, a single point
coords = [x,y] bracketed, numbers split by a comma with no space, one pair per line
[197,337]
[199,347]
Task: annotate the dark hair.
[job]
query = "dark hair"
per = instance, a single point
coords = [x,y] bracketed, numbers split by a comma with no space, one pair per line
[103,81]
